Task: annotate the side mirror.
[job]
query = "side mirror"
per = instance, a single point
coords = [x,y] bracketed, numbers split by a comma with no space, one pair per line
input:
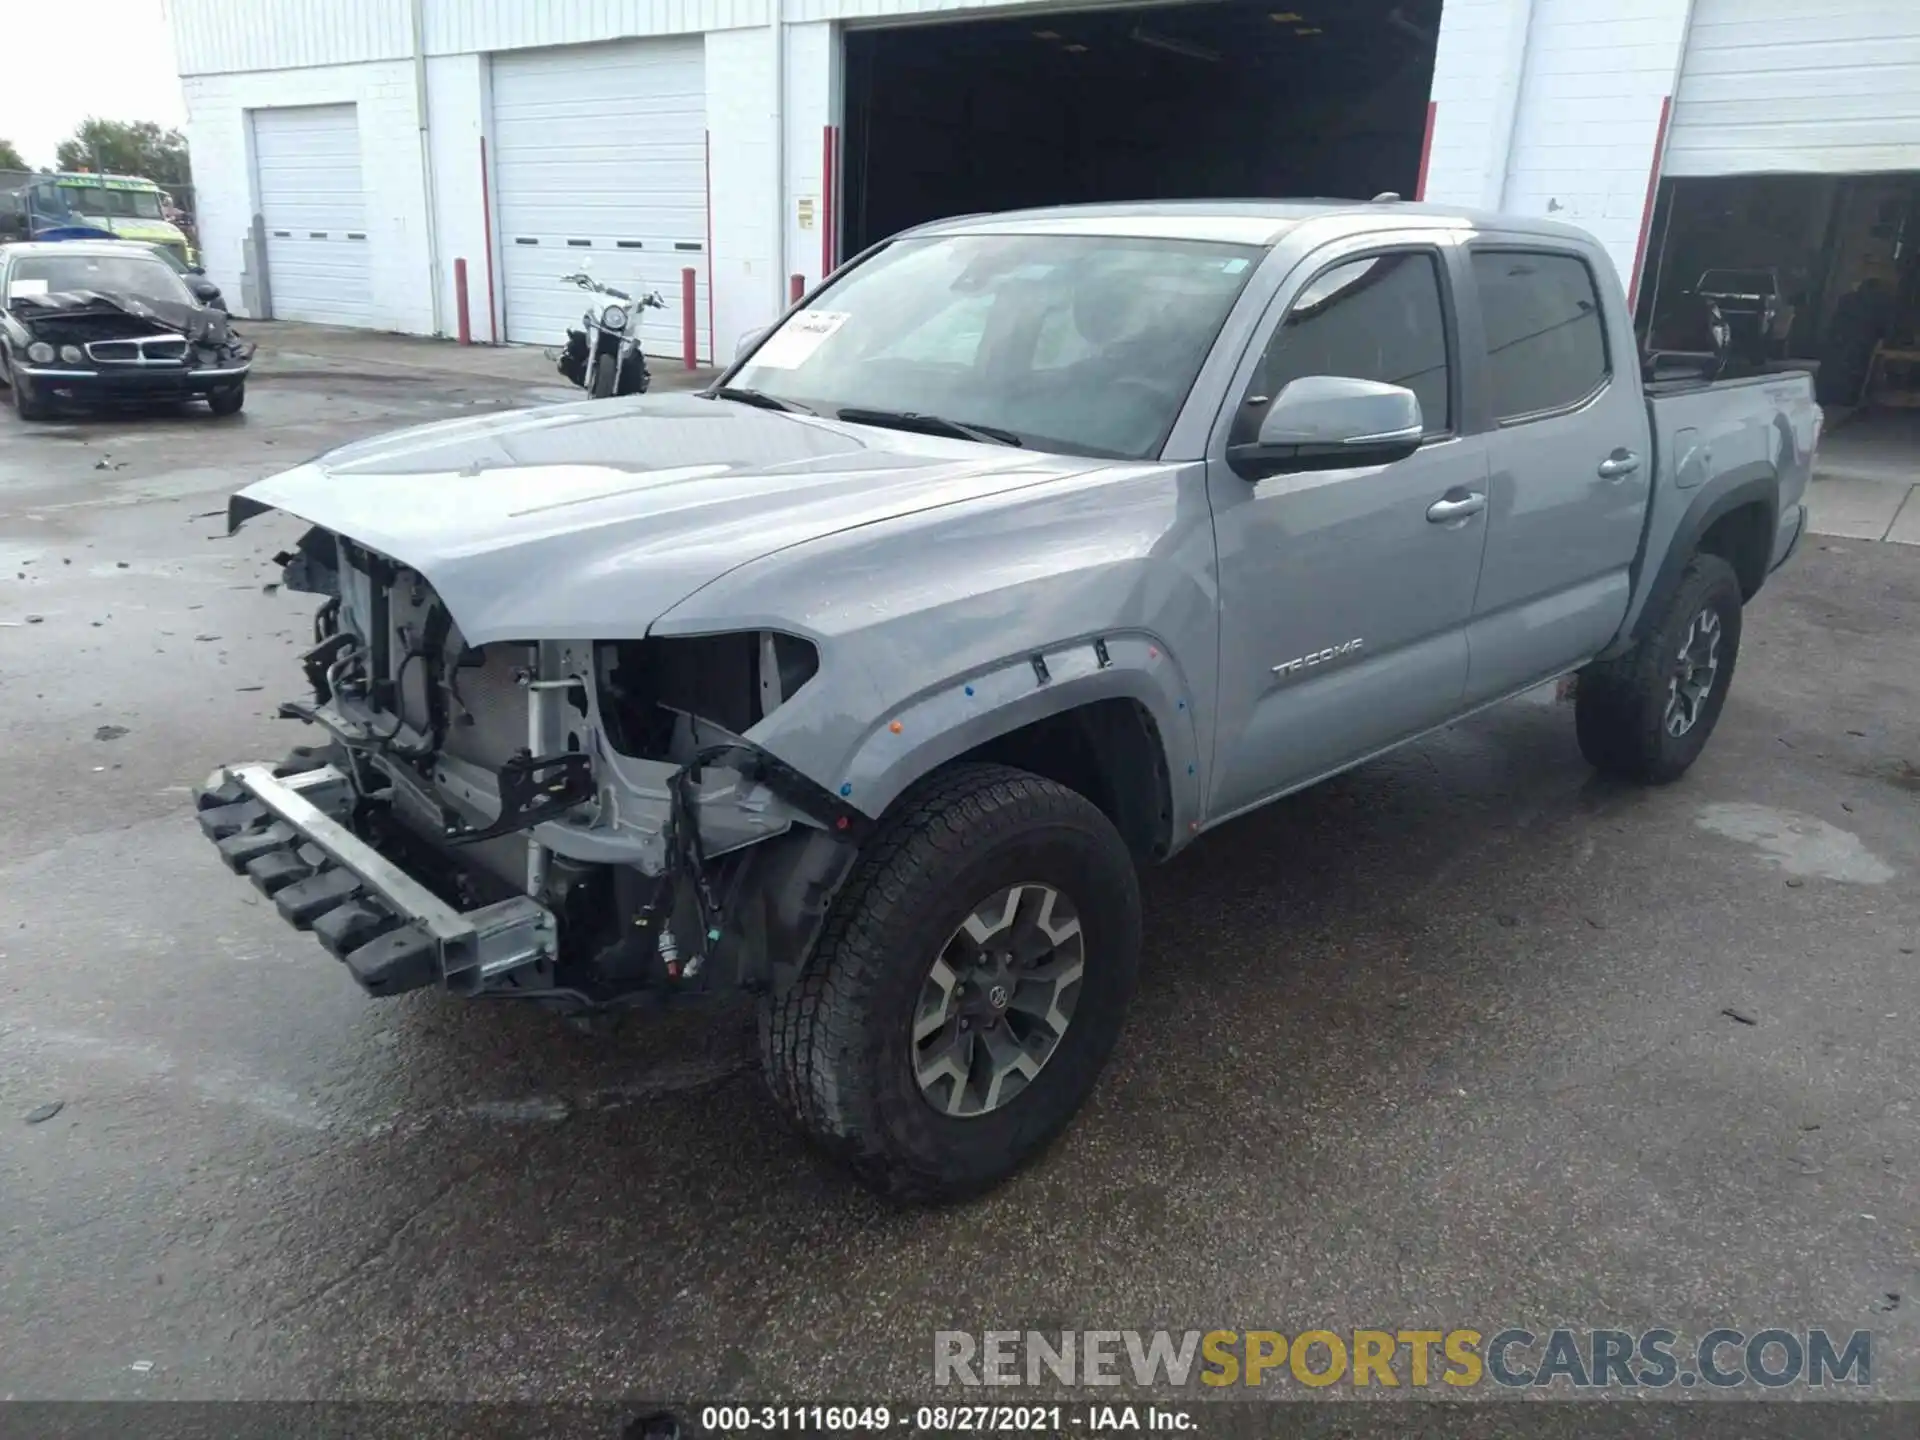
[748,341]
[204,289]
[1331,422]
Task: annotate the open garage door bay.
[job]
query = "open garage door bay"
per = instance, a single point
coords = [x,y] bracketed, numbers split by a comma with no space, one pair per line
[307,167]
[600,163]
[1192,101]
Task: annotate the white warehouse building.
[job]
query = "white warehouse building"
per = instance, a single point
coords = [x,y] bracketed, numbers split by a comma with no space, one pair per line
[749,141]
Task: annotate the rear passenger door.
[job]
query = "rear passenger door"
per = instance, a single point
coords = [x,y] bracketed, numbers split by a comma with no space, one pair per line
[1570,464]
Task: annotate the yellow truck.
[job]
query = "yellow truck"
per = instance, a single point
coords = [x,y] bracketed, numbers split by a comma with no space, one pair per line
[126,206]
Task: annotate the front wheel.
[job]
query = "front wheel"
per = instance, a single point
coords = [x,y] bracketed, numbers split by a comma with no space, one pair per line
[603,377]
[228,401]
[1647,715]
[968,986]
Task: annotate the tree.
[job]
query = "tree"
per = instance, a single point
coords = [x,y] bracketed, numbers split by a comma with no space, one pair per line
[10,157]
[116,147]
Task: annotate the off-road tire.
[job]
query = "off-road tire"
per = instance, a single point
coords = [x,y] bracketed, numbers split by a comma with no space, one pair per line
[228,401]
[1620,705]
[835,1046]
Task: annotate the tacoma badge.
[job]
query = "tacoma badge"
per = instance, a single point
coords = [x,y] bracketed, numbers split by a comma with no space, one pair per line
[1318,657]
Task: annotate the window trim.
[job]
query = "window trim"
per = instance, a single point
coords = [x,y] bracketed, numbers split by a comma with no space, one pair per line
[1608,375]
[1449,324]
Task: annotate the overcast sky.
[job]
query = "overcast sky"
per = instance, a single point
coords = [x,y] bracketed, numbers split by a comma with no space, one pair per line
[68,59]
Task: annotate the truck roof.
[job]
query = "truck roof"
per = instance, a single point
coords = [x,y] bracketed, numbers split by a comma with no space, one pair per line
[1245,222]
[105,181]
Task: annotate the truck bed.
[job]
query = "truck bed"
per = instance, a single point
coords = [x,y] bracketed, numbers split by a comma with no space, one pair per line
[1721,444]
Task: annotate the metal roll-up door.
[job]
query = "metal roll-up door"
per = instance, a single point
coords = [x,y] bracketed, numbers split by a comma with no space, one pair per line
[312,201]
[600,156]
[1780,86]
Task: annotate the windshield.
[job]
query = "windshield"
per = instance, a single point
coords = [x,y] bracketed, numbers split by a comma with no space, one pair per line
[1085,344]
[141,276]
[100,200]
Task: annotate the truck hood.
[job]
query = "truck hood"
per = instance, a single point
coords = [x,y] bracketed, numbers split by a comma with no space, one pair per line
[591,520]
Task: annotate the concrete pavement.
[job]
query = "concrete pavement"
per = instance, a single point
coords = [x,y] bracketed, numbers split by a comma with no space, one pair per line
[1869,470]
[1466,1037]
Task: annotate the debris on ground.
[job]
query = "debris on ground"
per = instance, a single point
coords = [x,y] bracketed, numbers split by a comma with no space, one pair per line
[1739,1016]
[271,587]
[110,732]
[40,1114]
[204,638]
[248,689]
[35,619]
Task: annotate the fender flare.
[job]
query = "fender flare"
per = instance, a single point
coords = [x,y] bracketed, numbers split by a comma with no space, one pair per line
[966,711]
[1707,507]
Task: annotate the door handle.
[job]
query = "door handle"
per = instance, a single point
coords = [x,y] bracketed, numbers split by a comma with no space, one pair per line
[1441,511]
[1621,462]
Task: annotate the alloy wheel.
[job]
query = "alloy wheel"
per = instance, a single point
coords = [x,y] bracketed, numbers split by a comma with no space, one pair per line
[1695,669]
[998,1000]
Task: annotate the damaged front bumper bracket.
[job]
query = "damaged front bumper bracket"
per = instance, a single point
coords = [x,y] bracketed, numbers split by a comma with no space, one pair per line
[285,833]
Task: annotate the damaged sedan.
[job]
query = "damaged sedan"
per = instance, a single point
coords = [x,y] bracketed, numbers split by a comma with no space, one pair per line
[108,323]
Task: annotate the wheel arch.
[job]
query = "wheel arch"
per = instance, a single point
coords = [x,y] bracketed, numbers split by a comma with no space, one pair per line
[1108,750]
[1717,522]
[1108,716]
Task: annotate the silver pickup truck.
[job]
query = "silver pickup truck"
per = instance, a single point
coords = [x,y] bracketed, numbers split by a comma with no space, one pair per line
[1025,550]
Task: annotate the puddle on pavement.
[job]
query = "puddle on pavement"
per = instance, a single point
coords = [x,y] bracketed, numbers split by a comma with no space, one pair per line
[1797,844]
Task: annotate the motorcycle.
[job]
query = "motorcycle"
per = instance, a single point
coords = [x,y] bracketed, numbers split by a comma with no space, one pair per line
[603,355]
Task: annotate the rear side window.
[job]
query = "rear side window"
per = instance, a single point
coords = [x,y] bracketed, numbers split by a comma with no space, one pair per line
[1546,340]
[1374,319]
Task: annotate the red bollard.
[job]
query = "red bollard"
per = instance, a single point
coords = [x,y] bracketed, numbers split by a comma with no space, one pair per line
[689,347]
[460,300]
[796,287]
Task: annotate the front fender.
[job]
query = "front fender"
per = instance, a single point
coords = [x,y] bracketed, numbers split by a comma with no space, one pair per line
[929,626]
[965,713]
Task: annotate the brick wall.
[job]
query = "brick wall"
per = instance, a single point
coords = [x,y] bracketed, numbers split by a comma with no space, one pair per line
[1589,115]
[218,130]
[746,263]
[1576,87]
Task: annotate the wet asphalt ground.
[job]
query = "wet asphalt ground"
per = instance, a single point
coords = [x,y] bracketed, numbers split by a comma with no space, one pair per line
[1465,1038]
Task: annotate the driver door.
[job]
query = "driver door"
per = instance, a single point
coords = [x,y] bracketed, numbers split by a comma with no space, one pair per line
[1344,594]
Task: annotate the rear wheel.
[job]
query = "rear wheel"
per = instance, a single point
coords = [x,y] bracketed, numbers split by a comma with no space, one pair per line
[228,401]
[967,989]
[1647,715]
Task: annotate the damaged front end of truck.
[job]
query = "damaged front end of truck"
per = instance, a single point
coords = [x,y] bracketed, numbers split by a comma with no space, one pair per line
[585,822]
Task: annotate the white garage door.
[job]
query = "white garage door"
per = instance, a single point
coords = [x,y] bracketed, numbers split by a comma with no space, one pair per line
[1782,85]
[307,161]
[600,163]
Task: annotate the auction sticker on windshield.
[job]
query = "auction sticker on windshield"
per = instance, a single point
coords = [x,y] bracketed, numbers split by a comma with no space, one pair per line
[22,288]
[794,345]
